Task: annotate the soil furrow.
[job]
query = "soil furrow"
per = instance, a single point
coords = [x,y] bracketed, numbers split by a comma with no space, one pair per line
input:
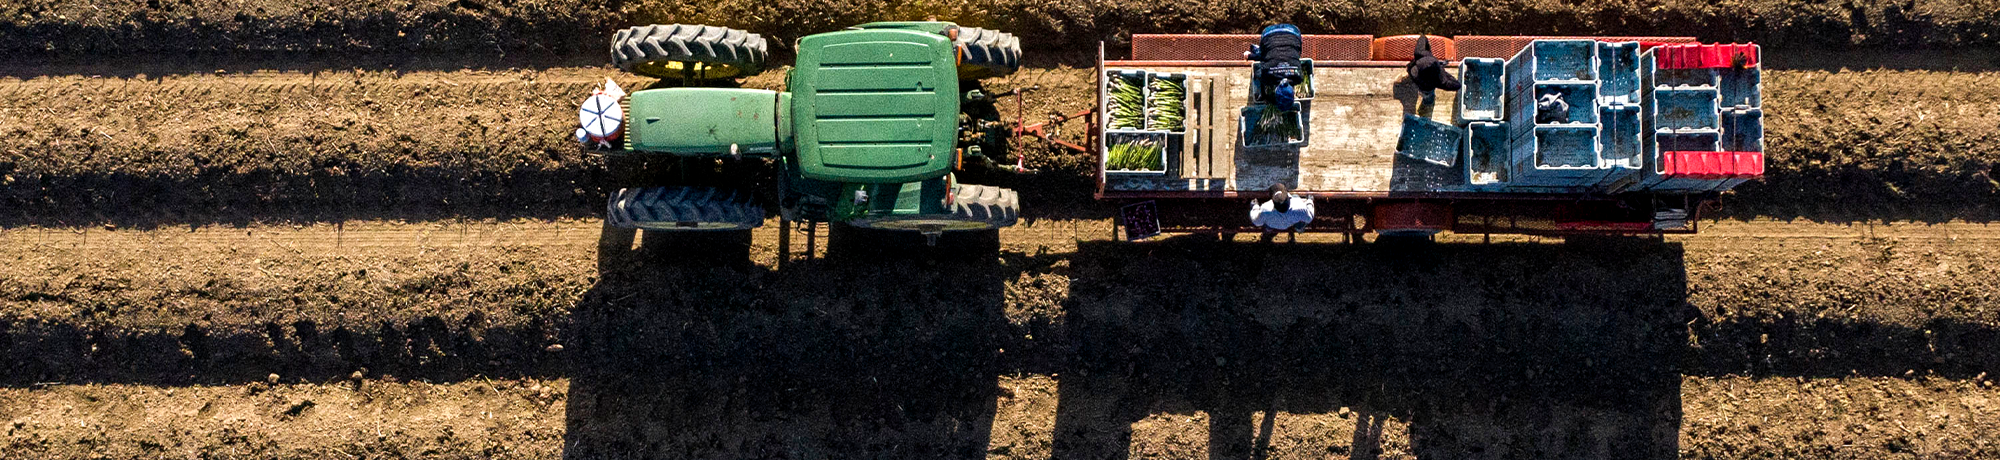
[336,146]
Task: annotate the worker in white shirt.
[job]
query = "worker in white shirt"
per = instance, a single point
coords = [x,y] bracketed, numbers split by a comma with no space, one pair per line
[1285,212]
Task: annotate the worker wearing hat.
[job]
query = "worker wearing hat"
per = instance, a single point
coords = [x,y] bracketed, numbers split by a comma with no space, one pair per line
[1277,54]
[1428,72]
[1285,212]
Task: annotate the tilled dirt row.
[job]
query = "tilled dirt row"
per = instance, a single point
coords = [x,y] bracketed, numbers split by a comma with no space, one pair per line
[334,146]
[1725,417]
[453,301]
[288,419]
[503,28]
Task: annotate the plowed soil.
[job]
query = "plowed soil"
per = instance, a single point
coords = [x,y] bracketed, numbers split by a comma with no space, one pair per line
[514,29]
[1800,340]
[330,146]
[273,229]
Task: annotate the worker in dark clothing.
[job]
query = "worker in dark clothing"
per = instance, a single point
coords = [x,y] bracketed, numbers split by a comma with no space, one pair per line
[1277,56]
[1428,73]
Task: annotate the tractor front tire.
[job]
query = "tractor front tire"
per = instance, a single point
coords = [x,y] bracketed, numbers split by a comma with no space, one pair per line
[683,209]
[987,53]
[688,50]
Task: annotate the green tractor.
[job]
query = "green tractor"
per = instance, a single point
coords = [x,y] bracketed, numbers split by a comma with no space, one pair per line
[879,124]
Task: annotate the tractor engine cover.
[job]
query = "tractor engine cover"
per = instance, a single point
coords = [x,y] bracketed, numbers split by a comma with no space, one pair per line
[707,121]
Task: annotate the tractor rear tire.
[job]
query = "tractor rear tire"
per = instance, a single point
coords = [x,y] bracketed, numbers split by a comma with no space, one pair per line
[973,208]
[987,53]
[683,209]
[999,206]
[668,50]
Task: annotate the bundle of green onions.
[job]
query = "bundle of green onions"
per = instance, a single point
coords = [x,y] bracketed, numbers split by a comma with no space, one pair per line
[1167,107]
[1128,103]
[1141,154]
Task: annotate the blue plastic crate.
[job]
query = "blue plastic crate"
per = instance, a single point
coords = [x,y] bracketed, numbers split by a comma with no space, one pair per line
[1546,61]
[1684,108]
[1618,72]
[1561,60]
[1522,110]
[1622,148]
[1741,87]
[1557,156]
[1484,95]
[1486,165]
[1743,130]
[1698,140]
[1430,141]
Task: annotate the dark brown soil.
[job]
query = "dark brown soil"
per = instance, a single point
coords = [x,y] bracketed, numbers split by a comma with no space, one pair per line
[331,146]
[553,29]
[1061,345]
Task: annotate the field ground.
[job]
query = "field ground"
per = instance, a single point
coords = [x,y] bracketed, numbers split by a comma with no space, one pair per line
[521,339]
[283,229]
[163,149]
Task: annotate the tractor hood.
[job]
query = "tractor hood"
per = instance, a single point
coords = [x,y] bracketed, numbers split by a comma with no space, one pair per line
[706,121]
[875,106]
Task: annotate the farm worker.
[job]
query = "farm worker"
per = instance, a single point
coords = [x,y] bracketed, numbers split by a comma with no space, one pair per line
[1277,56]
[1284,212]
[1428,73]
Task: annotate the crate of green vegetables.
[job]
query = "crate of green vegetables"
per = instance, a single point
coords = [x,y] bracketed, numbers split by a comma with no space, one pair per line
[1166,102]
[1264,125]
[1135,152]
[1125,99]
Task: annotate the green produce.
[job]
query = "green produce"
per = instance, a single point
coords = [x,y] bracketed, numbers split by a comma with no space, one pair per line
[1141,154]
[1274,126]
[1128,103]
[1167,106]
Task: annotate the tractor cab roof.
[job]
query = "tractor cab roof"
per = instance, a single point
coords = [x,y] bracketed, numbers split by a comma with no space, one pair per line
[876,105]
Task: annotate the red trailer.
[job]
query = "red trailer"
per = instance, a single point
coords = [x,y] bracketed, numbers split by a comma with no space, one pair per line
[1353,115]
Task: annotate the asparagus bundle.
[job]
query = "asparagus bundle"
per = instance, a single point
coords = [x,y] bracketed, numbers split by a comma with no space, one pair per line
[1167,109]
[1128,103]
[1274,127]
[1140,154]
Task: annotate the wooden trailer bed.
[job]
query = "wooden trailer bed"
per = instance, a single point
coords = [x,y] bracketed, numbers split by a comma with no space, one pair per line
[1356,114]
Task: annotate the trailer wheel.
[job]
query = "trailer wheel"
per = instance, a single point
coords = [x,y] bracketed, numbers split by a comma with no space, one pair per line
[683,209]
[688,50]
[986,53]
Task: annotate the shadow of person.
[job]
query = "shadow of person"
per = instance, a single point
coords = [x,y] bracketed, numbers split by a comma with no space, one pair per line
[1414,100]
[1486,351]
[681,355]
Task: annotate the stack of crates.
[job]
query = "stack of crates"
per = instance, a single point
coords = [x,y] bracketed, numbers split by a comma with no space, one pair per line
[1621,151]
[1702,128]
[1555,156]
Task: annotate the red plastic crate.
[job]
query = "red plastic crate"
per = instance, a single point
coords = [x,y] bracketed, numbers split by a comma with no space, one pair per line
[1699,56]
[1504,47]
[1404,47]
[1712,165]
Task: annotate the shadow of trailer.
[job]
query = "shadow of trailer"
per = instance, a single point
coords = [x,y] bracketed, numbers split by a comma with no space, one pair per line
[1189,127]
